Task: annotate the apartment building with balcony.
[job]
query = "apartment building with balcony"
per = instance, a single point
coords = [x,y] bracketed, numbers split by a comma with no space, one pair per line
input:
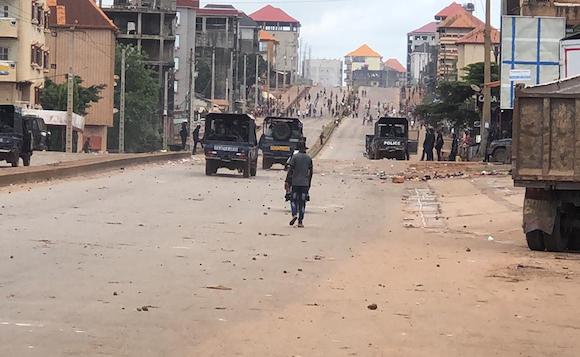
[23,50]
[570,9]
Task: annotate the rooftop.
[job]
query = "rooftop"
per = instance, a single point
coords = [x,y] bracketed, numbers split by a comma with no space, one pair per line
[463,20]
[270,13]
[364,51]
[193,4]
[450,10]
[395,65]
[477,36]
[429,28]
[81,13]
[265,36]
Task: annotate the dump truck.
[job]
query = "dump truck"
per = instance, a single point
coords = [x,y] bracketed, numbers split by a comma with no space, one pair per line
[546,162]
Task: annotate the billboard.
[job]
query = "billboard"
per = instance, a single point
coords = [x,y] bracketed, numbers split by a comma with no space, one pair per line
[530,52]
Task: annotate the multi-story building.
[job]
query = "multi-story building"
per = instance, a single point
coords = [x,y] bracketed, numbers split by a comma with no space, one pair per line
[363,58]
[286,30]
[81,27]
[324,72]
[471,49]
[249,35]
[420,46]
[570,9]
[149,26]
[457,22]
[185,30]
[396,73]
[23,50]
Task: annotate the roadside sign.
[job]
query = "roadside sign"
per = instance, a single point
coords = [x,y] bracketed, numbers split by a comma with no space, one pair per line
[530,52]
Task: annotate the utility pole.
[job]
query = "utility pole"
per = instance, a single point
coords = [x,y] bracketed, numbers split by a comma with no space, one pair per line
[257,85]
[213,74]
[192,86]
[268,85]
[486,117]
[165,109]
[122,104]
[231,83]
[70,94]
[245,95]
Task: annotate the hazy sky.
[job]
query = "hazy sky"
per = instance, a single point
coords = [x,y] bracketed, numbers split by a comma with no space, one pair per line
[335,27]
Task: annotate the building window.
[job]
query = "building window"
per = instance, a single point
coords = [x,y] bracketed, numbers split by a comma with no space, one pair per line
[178,18]
[36,56]
[45,56]
[175,86]
[176,41]
[3,53]
[176,60]
[5,11]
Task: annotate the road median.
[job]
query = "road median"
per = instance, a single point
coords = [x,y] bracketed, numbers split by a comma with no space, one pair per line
[67,169]
[326,132]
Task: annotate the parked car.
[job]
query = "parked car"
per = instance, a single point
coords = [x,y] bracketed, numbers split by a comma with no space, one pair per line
[40,133]
[500,151]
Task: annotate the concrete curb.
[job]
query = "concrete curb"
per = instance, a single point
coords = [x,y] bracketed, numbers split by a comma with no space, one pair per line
[83,167]
[327,130]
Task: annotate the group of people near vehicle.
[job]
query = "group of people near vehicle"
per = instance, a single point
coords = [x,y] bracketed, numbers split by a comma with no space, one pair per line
[184,133]
[434,141]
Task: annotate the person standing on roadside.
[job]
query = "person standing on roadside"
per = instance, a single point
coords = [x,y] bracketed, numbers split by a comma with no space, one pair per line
[300,171]
[183,133]
[439,144]
[196,139]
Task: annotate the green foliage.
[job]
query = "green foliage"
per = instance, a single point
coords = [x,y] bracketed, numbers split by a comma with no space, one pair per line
[142,115]
[452,104]
[54,96]
[453,101]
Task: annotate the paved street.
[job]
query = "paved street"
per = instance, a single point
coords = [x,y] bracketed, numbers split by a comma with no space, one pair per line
[161,260]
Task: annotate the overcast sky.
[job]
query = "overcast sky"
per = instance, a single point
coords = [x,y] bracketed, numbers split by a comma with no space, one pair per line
[335,27]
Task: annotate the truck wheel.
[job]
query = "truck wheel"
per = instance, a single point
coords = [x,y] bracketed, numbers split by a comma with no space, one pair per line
[266,164]
[246,169]
[558,240]
[499,155]
[26,159]
[210,168]
[536,241]
[15,159]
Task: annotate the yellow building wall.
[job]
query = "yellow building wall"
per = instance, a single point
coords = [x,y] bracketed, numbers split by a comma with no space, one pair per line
[469,54]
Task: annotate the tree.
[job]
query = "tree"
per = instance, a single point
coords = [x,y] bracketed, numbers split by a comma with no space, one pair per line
[54,96]
[142,124]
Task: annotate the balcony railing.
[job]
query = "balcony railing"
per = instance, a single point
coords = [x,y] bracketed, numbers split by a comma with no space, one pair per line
[7,71]
[8,27]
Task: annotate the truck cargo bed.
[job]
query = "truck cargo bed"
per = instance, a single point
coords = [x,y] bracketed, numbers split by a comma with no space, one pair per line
[546,135]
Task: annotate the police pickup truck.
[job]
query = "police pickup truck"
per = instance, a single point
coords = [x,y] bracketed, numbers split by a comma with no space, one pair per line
[230,142]
[279,140]
[390,140]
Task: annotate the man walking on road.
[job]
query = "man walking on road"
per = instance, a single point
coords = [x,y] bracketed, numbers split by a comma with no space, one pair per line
[439,142]
[196,139]
[300,177]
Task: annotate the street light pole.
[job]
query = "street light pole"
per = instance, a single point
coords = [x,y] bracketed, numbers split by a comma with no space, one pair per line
[486,117]
[122,103]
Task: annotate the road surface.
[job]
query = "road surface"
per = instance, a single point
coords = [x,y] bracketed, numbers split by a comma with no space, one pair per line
[161,260]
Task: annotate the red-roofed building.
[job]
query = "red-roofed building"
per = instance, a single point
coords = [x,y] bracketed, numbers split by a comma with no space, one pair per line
[93,59]
[471,49]
[396,73]
[456,22]
[421,46]
[286,30]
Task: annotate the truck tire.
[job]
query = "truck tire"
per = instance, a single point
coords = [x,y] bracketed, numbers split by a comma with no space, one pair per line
[499,155]
[536,241]
[15,159]
[266,164]
[26,159]
[210,168]
[246,169]
[558,240]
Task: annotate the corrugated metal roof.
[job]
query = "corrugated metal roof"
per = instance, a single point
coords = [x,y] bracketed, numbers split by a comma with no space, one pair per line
[450,10]
[192,4]
[80,13]
[364,51]
[564,86]
[270,13]
[463,20]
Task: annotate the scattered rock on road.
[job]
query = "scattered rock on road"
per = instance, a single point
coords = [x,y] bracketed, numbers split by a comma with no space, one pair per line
[372,307]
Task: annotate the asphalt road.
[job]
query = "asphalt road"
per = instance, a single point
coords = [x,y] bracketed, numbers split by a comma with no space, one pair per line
[163,261]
